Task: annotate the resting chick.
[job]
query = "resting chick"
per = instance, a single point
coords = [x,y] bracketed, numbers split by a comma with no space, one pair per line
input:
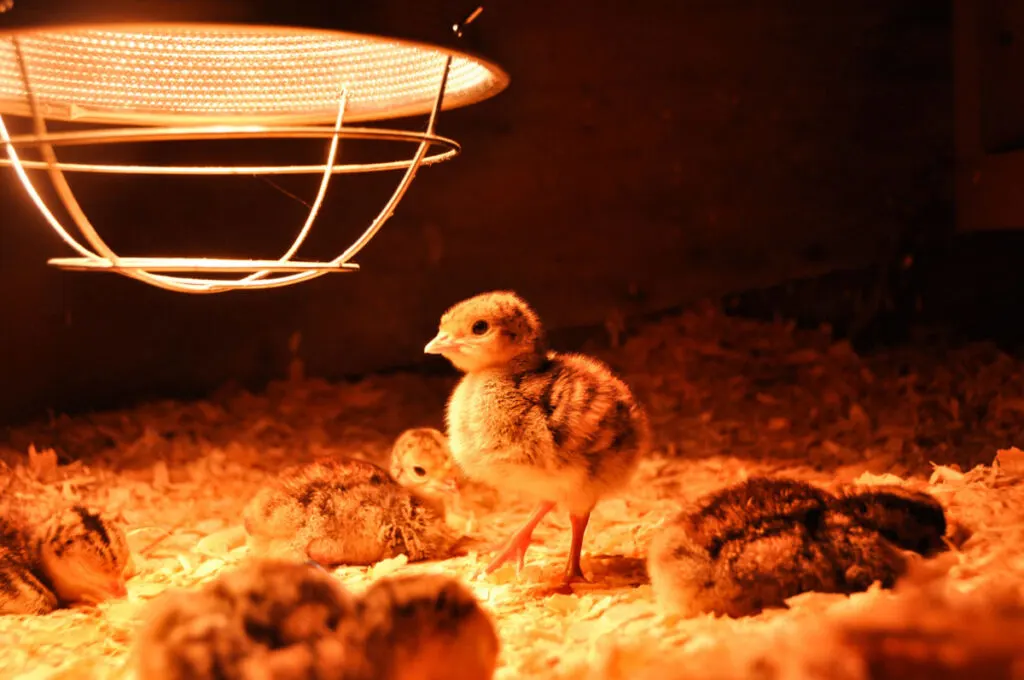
[422,463]
[559,427]
[410,627]
[343,512]
[283,620]
[755,544]
[77,556]
[426,627]
[267,620]
[913,520]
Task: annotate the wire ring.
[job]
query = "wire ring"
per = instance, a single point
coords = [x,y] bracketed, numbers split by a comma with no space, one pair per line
[129,136]
[177,134]
[197,265]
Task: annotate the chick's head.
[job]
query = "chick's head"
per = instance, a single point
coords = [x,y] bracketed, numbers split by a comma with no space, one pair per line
[913,520]
[85,556]
[422,463]
[489,330]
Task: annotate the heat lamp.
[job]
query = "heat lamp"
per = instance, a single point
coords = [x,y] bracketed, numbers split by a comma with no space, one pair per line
[134,71]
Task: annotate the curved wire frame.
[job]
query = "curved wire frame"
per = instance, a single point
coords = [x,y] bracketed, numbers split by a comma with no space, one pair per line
[262,274]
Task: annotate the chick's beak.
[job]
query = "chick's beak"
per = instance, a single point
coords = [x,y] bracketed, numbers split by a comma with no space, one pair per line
[441,343]
[442,488]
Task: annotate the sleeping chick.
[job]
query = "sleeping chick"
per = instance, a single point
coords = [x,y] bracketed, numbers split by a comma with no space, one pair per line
[559,427]
[77,556]
[426,627]
[21,591]
[910,519]
[343,512]
[268,619]
[755,544]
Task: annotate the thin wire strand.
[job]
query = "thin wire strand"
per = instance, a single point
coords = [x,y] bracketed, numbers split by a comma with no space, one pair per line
[282,190]
[314,210]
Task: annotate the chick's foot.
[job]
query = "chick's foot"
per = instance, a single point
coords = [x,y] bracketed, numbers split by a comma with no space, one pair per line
[520,541]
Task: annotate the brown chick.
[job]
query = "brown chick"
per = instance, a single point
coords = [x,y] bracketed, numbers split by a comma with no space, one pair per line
[268,619]
[755,544]
[21,591]
[559,427]
[411,627]
[422,463]
[426,627]
[910,519]
[77,556]
[343,512]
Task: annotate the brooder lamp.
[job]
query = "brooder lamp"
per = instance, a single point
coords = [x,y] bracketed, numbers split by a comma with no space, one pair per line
[154,71]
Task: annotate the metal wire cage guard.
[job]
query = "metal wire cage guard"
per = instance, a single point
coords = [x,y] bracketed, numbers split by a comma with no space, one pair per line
[166,82]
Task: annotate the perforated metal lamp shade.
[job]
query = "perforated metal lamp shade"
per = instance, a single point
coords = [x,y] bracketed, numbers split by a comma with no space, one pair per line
[212,70]
[146,62]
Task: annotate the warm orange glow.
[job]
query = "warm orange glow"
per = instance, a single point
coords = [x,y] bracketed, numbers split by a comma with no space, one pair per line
[195,81]
[105,258]
[167,74]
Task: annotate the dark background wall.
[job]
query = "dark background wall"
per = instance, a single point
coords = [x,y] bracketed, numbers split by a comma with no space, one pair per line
[645,155]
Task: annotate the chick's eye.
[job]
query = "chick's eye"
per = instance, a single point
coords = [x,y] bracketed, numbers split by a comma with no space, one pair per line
[479,328]
[419,471]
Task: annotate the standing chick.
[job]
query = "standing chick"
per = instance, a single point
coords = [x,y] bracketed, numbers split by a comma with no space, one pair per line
[76,556]
[426,627]
[559,427]
[343,512]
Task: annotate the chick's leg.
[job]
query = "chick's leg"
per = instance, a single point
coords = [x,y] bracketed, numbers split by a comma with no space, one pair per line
[520,541]
[573,571]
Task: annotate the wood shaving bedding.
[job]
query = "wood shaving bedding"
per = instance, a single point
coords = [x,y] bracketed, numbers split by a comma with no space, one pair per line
[727,398]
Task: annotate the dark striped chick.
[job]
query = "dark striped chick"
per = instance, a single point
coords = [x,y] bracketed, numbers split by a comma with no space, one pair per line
[343,512]
[268,620]
[559,427]
[282,620]
[76,556]
[755,544]
[21,591]
[912,520]
[426,627]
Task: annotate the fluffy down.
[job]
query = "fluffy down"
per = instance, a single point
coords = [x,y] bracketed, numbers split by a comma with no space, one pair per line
[343,512]
[755,544]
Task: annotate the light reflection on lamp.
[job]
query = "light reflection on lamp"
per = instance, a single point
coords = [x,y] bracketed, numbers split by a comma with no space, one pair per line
[196,81]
